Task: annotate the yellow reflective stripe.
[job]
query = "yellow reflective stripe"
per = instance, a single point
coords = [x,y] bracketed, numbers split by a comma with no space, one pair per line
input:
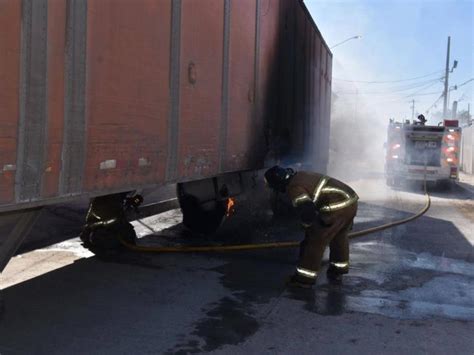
[109,221]
[306,272]
[103,223]
[319,187]
[90,212]
[95,215]
[339,205]
[301,198]
[335,190]
[340,265]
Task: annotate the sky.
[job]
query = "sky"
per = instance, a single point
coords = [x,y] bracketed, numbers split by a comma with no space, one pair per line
[401,39]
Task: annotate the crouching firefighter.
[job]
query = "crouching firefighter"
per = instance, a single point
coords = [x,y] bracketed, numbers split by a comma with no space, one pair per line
[327,208]
[107,225]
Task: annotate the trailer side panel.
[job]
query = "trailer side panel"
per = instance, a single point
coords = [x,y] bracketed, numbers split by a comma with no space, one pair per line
[99,96]
[10,19]
[55,97]
[240,100]
[127,96]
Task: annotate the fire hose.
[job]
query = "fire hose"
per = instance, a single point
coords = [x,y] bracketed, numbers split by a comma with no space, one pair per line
[273,245]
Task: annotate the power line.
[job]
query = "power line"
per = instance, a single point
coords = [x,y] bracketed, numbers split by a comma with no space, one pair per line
[414,85]
[390,91]
[462,97]
[424,88]
[389,81]
[455,87]
[425,94]
[434,103]
[465,83]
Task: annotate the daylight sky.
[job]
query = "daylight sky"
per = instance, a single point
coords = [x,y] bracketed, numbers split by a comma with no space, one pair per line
[401,39]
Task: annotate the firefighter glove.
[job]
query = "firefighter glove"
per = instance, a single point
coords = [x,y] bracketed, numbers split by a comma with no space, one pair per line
[308,213]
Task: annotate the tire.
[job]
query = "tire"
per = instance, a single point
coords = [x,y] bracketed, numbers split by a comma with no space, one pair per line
[398,182]
[394,181]
[201,217]
[444,185]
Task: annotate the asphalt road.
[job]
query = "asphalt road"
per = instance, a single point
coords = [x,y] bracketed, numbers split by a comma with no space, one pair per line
[410,289]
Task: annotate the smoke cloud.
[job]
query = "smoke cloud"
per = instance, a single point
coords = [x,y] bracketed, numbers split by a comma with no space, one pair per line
[357,137]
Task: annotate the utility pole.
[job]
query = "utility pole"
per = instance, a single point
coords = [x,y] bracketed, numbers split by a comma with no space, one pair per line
[412,109]
[454,111]
[446,79]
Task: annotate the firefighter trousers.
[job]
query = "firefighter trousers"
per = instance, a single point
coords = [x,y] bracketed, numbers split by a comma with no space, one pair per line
[332,230]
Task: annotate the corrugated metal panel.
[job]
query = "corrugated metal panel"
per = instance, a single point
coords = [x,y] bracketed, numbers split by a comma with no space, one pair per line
[281,127]
[127,92]
[200,87]
[241,89]
[317,119]
[74,135]
[322,107]
[327,121]
[300,84]
[10,19]
[33,101]
[311,94]
[56,47]
[175,74]
[308,91]
[266,95]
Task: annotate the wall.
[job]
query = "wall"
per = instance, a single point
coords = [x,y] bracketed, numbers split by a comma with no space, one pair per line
[467,150]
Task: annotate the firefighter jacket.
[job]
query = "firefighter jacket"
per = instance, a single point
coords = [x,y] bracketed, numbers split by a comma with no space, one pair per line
[326,193]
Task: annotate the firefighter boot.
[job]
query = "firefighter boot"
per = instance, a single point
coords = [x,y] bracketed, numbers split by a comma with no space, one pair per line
[300,281]
[336,270]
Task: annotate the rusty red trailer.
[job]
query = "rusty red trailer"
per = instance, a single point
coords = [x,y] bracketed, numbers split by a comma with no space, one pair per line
[104,96]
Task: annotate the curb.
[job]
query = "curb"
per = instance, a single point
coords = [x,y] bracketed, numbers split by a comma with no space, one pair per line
[469,188]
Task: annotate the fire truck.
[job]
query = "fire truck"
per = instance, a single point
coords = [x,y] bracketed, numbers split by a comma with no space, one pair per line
[416,152]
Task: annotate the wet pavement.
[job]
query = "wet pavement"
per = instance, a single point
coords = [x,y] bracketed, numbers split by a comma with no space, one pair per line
[410,289]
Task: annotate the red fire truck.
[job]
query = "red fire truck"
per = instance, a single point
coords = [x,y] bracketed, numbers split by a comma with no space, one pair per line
[415,151]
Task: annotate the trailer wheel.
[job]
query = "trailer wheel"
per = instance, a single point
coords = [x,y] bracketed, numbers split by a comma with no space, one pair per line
[444,185]
[389,181]
[203,217]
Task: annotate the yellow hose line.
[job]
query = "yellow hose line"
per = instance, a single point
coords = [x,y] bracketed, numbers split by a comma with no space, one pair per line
[269,245]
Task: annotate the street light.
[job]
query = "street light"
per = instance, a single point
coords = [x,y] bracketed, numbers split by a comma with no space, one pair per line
[347,39]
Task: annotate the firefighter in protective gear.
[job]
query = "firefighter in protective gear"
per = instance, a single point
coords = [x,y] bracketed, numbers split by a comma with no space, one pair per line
[422,120]
[327,208]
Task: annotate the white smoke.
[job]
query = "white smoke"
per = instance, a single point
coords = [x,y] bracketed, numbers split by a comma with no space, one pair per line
[357,137]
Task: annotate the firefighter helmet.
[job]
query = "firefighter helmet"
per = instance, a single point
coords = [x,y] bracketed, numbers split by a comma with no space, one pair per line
[277,177]
[421,118]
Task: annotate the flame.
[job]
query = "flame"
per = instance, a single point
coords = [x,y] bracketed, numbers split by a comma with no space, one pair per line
[230,206]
